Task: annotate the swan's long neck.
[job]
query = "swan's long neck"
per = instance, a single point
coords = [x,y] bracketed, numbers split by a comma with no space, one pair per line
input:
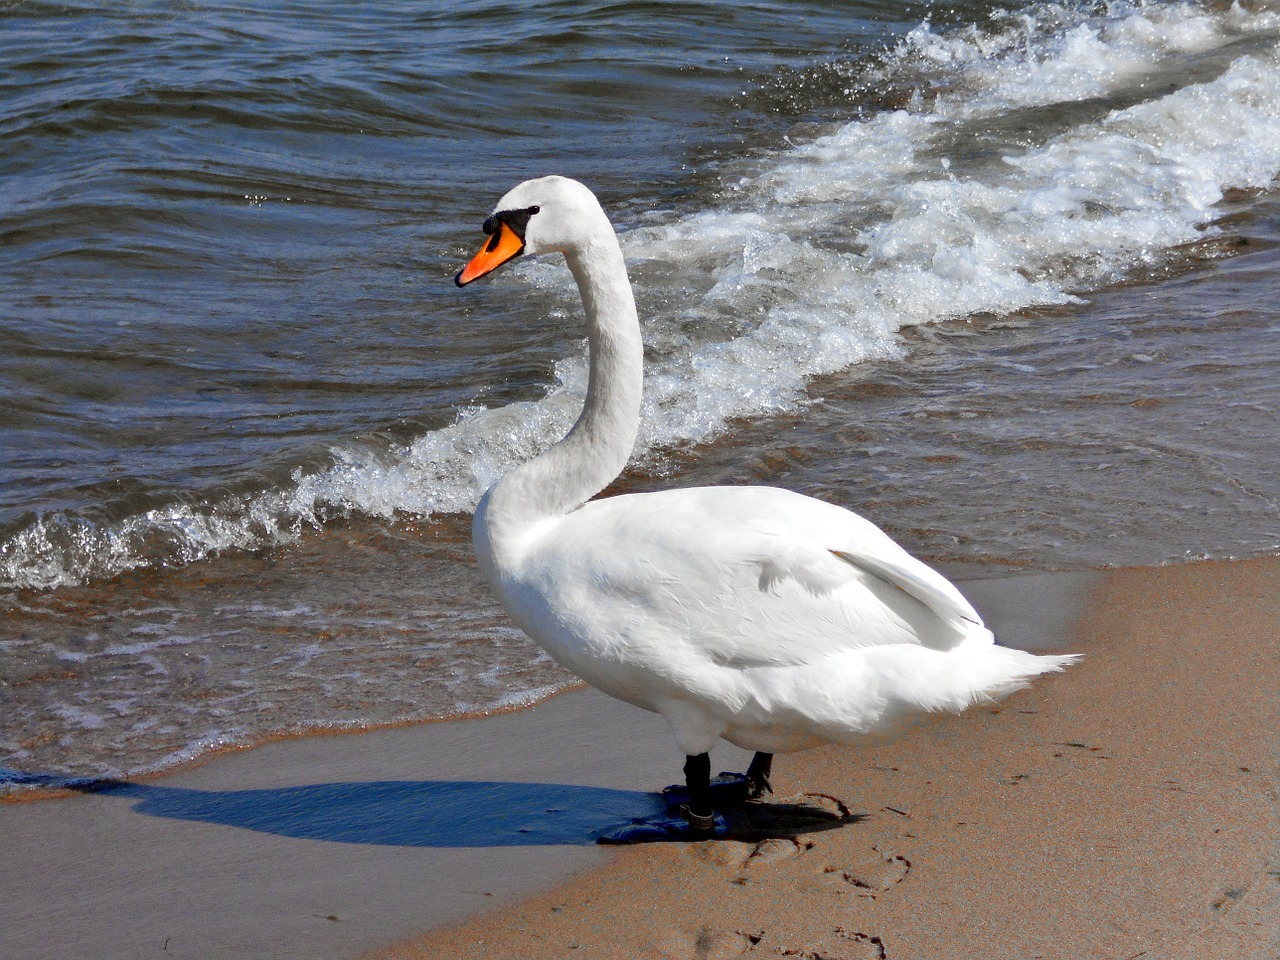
[597,448]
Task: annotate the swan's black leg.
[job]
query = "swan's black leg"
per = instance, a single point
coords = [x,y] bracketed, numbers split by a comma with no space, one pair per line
[697,777]
[697,819]
[758,774]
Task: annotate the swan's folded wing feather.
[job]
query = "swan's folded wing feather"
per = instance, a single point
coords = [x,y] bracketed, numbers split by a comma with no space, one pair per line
[922,582]
[750,576]
[797,521]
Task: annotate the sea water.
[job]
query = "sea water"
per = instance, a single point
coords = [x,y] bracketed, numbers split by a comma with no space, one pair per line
[1001,277]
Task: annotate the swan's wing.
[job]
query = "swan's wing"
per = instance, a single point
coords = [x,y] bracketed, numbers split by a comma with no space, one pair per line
[749,576]
[921,581]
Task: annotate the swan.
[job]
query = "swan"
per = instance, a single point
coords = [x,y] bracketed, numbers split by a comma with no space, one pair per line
[754,614]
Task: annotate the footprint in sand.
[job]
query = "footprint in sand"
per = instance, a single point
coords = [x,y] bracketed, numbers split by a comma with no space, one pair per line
[775,850]
[844,946]
[873,875]
[769,833]
[713,945]
[751,856]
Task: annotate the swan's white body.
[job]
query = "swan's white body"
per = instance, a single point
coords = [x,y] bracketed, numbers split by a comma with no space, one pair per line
[771,619]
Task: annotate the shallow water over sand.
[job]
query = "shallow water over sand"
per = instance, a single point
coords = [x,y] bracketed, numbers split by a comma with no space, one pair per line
[1004,283]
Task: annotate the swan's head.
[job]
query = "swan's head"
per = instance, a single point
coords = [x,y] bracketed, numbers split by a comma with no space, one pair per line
[539,216]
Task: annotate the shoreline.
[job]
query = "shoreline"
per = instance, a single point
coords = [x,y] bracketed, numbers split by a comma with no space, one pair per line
[1125,808]
[1033,635]
[317,847]
[468,838]
[37,788]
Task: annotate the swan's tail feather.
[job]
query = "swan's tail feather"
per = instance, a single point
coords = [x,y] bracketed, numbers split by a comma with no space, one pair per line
[977,671]
[872,695]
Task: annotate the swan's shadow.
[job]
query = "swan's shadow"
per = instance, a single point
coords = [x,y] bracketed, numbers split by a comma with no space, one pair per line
[789,817]
[400,813]
[442,813]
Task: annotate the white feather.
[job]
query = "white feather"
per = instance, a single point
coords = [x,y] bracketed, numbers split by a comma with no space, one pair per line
[755,614]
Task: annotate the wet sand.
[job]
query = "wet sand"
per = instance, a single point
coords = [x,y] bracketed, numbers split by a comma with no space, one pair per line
[1125,808]
[321,847]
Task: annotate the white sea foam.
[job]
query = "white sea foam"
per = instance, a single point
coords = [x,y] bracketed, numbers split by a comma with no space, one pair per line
[1051,53]
[818,259]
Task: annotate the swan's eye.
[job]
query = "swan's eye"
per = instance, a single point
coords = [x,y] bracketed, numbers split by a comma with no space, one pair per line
[517,220]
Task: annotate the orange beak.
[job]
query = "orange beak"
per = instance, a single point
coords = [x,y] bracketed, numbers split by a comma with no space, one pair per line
[503,245]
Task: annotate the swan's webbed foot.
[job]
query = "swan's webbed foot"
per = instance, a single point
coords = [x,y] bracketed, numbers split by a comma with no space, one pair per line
[666,829]
[758,775]
[723,790]
[694,802]
[728,789]
[697,819]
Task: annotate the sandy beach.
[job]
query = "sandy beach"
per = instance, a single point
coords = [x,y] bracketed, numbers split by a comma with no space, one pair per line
[1125,809]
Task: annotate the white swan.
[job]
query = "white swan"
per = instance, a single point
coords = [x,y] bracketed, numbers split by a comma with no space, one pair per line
[771,619]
